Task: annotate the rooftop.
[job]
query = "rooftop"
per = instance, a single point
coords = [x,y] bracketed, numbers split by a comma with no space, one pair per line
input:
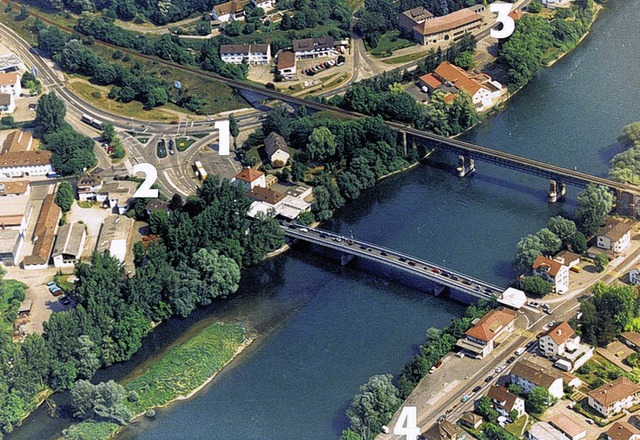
[535,374]
[7,79]
[431,80]
[265,195]
[614,230]
[228,8]
[491,324]
[503,396]
[8,239]
[448,22]
[13,187]
[44,233]
[114,236]
[614,391]
[543,430]
[560,333]
[274,142]
[458,77]
[243,48]
[307,44]
[249,175]
[69,240]
[633,337]
[17,141]
[286,60]
[547,265]
[443,430]
[622,431]
[567,425]
[9,60]
[19,159]
[565,257]
[418,13]
[6,99]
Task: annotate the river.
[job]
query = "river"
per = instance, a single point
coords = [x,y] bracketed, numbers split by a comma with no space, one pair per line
[326,329]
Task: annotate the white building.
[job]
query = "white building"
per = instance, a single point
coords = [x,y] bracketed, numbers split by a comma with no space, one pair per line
[16,206]
[88,187]
[562,342]
[482,89]
[249,178]
[286,64]
[567,258]
[553,272]
[266,5]
[245,53]
[555,2]
[614,236]
[614,397]
[505,401]
[276,149]
[314,47]
[10,83]
[29,163]
[69,245]
[529,376]
[11,242]
[114,236]
[229,11]
[482,338]
[543,431]
[568,426]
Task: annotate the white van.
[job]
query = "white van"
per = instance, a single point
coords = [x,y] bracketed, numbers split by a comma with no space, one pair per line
[520,350]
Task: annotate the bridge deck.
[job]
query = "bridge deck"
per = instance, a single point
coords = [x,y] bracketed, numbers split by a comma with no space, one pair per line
[424,269]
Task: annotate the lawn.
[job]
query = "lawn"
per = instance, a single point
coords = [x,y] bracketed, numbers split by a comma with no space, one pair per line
[133,109]
[389,42]
[516,428]
[90,430]
[186,367]
[184,142]
[143,140]
[406,58]
[161,149]
[598,371]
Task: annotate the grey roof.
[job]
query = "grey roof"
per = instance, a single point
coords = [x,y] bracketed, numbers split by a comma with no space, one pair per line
[8,239]
[114,227]
[5,99]
[307,44]
[243,48]
[542,377]
[274,142]
[9,60]
[69,240]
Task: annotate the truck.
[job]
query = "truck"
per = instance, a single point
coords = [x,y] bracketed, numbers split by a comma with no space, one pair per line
[563,365]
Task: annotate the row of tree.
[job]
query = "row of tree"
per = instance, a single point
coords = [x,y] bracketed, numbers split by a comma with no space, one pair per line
[625,166]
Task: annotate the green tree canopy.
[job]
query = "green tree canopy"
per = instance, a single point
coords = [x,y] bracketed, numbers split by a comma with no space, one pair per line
[50,113]
[594,204]
[65,196]
[373,406]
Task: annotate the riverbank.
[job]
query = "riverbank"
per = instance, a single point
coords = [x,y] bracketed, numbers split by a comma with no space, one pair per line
[179,374]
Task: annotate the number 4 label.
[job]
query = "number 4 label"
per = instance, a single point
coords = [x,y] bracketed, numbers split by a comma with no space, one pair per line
[508,25]
[407,423]
[150,176]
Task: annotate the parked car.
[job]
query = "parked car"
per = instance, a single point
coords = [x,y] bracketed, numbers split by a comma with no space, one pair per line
[488,379]
[65,300]
[52,286]
[56,291]
[465,398]
[521,350]
[550,324]
[476,389]
[533,304]
[511,360]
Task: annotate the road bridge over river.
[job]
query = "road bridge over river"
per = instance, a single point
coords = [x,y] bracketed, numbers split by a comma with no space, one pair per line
[431,272]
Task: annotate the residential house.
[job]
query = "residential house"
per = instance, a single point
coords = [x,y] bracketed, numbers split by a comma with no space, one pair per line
[229,11]
[614,236]
[444,430]
[16,205]
[115,235]
[266,5]
[88,187]
[553,272]
[286,64]
[407,20]
[69,245]
[448,28]
[623,431]
[276,149]
[249,178]
[10,83]
[116,195]
[156,205]
[482,89]
[314,47]
[471,420]
[529,375]
[543,431]
[569,427]
[505,402]
[11,242]
[632,339]
[634,275]
[30,163]
[516,14]
[245,53]
[44,235]
[614,397]
[562,342]
[567,258]
[481,339]
[513,298]
[7,103]
[271,202]
[17,141]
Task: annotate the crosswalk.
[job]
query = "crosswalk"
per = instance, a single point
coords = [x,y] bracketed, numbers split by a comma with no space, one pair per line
[526,333]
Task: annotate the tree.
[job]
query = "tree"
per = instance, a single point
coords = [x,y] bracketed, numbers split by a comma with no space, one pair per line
[529,247]
[156,96]
[594,203]
[515,389]
[219,275]
[538,400]
[485,409]
[348,434]
[322,144]
[373,406]
[50,113]
[577,243]
[72,152]
[535,7]
[550,242]
[108,132]
[65,196]
[234,130]
[104,401]
[601,261]
[536,286]
[464,60]
[562,227]
[176,202]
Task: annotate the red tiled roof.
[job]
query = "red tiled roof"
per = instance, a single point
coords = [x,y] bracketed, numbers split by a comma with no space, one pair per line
[560,333]
[14,187]
[490,324]
[622,431]
[17,141]
[552,267]
[448,22]
[249,175]
[286,60]
[7,79]
[18,159]
[430,80]
[458,77]
[614,391]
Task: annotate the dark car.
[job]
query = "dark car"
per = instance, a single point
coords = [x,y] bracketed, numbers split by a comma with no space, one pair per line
[64,299]
[488,379]
[511,360]
[476,389]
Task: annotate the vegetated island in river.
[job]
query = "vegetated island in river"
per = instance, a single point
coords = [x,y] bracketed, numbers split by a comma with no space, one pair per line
[178,374]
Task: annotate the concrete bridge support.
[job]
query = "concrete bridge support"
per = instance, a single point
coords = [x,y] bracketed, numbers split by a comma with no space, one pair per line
[466,166]
[628,204]
[345,259]
[557,192]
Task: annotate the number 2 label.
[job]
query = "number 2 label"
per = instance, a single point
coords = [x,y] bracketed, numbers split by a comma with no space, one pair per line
[508,25]
[407,423]
[150,176]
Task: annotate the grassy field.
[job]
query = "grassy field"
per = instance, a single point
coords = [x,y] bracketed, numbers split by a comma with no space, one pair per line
[517,427]
[388,43]
[184,142]
[599,370]
[186,366]
[90,430]
[133,109]
[406,58]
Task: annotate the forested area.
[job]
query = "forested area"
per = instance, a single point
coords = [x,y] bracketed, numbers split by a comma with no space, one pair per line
[625,166]
[194,259]
[379,16]
[536,40]
[381,396]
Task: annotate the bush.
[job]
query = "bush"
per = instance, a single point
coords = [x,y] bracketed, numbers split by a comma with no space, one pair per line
[96,95]
[536,287]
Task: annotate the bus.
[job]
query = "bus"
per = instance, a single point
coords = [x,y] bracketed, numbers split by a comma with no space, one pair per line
[199,169]
[91,121]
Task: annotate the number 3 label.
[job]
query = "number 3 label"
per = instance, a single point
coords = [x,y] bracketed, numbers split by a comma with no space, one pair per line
[407,423]
[508,25]
[150,176]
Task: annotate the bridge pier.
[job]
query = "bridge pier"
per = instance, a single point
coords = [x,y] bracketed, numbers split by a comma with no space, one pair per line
[466,166]
[345,259]
[557,192]
[627,203]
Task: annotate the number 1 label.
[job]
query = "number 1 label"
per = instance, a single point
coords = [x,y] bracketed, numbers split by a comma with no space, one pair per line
[407,423]
[508,25]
